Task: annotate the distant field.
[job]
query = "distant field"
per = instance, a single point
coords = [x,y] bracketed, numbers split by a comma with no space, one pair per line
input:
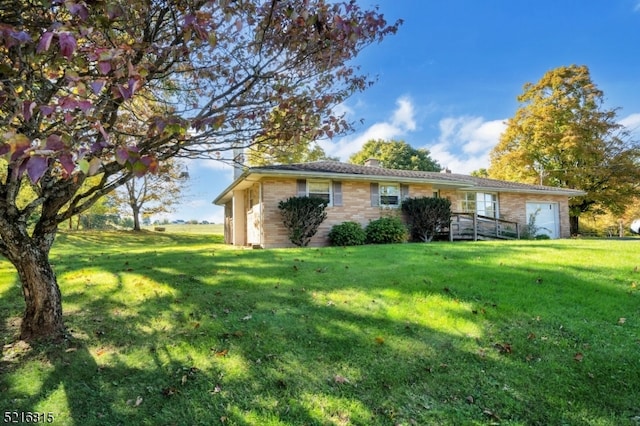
[172,228]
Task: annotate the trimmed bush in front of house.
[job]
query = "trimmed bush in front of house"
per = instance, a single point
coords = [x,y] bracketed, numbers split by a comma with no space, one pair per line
[302,216]
[426,216]
[386,230]
[347,234]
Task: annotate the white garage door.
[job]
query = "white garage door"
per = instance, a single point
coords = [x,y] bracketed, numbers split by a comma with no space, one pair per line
[547,218]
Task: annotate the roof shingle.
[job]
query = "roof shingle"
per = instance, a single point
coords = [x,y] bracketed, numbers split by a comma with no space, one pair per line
[321,167]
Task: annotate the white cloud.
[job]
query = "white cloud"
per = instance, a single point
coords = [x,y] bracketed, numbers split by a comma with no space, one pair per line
[632,123]
[401,121]
[403,115]
[208,164]
[342,108]
[464,142]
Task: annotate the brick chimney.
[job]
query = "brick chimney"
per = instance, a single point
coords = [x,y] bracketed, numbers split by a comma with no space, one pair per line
[372,162]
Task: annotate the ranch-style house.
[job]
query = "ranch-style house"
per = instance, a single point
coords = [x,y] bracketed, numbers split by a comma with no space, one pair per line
[484,208]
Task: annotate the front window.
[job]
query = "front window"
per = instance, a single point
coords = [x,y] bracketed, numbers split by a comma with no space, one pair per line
[484,204]
[319,189]
[389,194]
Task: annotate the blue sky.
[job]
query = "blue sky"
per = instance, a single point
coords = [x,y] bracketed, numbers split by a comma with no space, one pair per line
[449,78]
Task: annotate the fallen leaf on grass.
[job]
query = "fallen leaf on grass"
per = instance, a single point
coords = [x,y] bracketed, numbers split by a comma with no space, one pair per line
[340,379]
[379,340]
[504,348]
[169,391]
[135,403]
[578,357]
[622,321]
[491,414]
[222,352]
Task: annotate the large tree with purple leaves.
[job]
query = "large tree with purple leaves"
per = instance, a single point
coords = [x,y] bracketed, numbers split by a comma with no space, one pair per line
[94,93]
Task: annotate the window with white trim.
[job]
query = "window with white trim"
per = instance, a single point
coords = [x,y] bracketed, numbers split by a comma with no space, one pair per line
[319,189]
[484,204]
[389,194]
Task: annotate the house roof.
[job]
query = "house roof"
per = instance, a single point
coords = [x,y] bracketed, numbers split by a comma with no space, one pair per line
[345,171]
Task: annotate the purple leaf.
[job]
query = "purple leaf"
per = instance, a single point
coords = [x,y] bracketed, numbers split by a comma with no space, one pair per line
[85,105]
[98,146]
[114,11]
[78,9]
[104,67]
[21,36]
[124,92]
[128,91]
[122,155]
[189,20]
[36,166]
[54,143]
[27,109]
[67,163]
[97,85]
[67,44]
[67,103]
[47,110]
[45,42]
[103,132]
[4,148]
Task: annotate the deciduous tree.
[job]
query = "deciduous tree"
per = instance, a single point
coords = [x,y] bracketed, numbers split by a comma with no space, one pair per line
[294,149]
[73,74]
[395,154]
[153,193]
[563,136]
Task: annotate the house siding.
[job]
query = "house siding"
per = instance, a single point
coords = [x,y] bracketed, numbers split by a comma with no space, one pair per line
[355,190]
[356,207]
[512,207]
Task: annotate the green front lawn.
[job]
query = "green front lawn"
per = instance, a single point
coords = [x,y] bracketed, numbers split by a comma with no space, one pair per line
[180,329]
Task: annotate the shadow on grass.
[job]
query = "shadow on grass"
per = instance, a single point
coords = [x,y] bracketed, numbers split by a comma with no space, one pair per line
[328,337]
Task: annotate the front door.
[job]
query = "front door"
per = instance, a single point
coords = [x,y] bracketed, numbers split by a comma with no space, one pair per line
[545,217]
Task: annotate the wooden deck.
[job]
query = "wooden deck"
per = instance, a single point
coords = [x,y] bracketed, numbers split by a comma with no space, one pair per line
[470,226]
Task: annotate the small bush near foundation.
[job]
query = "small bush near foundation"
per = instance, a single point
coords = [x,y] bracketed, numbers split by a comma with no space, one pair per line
[347,234]
[302,216]
[386,230]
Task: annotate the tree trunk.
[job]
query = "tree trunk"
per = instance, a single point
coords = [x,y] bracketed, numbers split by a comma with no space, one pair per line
[42,319]
[43,311]
[573,225]
[136,219]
